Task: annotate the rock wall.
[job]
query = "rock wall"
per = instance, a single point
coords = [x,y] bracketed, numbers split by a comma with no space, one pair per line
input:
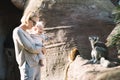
[69,22]
[70,25]
[91,71]
[9,18]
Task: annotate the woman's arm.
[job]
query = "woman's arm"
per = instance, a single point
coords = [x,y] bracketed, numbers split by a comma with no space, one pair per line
[26,43]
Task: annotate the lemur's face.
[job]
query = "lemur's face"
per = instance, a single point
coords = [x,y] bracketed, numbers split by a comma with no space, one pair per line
[93,39]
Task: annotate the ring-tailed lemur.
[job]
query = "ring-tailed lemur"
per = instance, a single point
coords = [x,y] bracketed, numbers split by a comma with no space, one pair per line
[99,49]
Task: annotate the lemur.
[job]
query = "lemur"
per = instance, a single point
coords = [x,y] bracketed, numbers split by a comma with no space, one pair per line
[71,57]
[99,49]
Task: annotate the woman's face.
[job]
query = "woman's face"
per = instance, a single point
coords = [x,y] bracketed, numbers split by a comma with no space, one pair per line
[32,22]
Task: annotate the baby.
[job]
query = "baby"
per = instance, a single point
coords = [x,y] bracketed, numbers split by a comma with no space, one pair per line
[39,37]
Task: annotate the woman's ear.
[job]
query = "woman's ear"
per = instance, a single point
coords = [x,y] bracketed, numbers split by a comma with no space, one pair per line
[27,22]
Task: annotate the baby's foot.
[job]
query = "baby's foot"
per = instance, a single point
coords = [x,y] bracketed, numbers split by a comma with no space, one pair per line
[41,64]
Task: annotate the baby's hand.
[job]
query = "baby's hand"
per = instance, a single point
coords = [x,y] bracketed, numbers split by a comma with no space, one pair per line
[43,50]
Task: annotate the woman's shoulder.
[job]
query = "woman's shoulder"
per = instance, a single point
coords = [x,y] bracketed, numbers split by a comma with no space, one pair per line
[16,29]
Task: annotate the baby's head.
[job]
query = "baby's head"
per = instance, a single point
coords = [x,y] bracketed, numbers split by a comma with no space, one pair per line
[39,27]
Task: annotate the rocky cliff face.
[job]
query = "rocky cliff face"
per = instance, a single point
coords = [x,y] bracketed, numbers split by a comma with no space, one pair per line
[9,18]
[71,25]
[70,22]
[78,70]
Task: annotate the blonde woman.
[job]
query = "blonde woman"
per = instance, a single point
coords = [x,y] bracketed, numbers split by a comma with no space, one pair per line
[26,50]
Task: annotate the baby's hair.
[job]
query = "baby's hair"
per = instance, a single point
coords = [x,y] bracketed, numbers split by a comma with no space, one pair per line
[40,24]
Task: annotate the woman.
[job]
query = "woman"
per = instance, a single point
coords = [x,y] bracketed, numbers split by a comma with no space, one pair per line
[25,49]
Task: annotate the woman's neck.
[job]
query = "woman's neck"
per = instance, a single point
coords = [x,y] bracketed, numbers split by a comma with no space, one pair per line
[23,26]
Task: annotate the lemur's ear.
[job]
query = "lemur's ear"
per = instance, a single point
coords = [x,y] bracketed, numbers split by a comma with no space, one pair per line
[97,38]
[89,37]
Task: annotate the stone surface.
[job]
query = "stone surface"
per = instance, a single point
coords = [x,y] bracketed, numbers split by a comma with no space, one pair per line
[79,71]
[69,24]
[9,18]
[81,20]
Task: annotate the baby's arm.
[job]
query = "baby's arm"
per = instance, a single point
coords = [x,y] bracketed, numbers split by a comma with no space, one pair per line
[25,42]
[44,50]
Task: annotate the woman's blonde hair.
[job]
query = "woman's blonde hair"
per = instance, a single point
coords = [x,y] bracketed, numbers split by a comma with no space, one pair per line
[27,16]
[31,10]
